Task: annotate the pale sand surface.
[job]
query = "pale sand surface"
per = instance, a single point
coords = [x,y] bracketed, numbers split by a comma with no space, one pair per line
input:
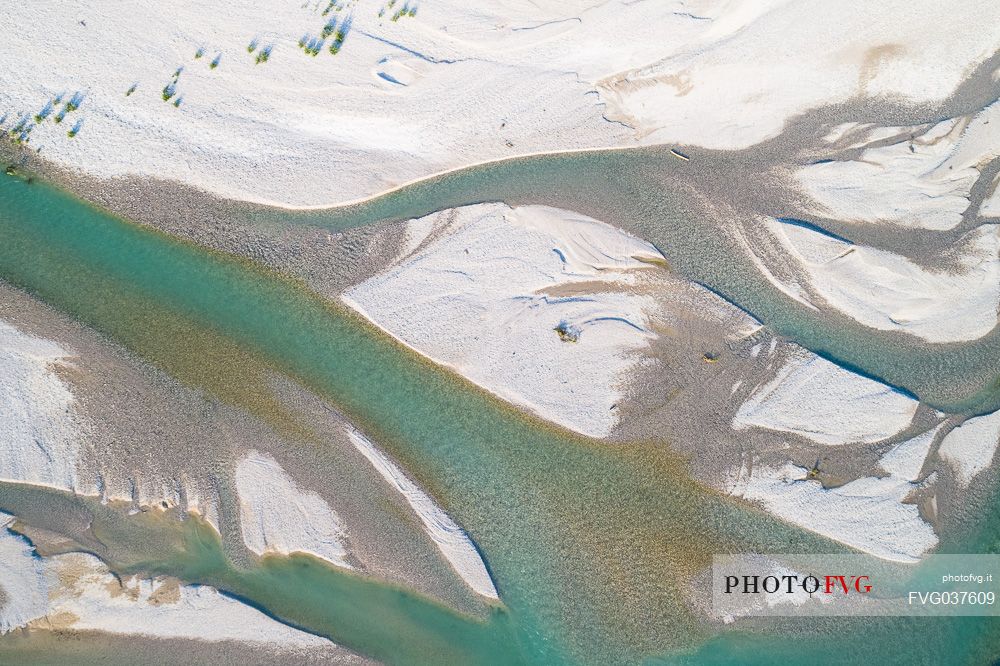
[22,579]
[970,448]
[300,130]
[491,295]
[77,592]
[906,459]
[868,513]
[991,206]
[453,542]
[921,180]
[890,292]
[815,398]
[873,511]
[40,436]
[276,516]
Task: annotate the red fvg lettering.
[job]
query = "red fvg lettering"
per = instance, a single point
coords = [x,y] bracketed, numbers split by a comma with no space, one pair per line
[845,583]
[788,584]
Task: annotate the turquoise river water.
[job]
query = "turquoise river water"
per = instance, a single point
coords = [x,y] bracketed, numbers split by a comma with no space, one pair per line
[592,546]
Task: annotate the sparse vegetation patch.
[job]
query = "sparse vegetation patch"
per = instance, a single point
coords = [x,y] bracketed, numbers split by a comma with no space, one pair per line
[264,54]
[44,113]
